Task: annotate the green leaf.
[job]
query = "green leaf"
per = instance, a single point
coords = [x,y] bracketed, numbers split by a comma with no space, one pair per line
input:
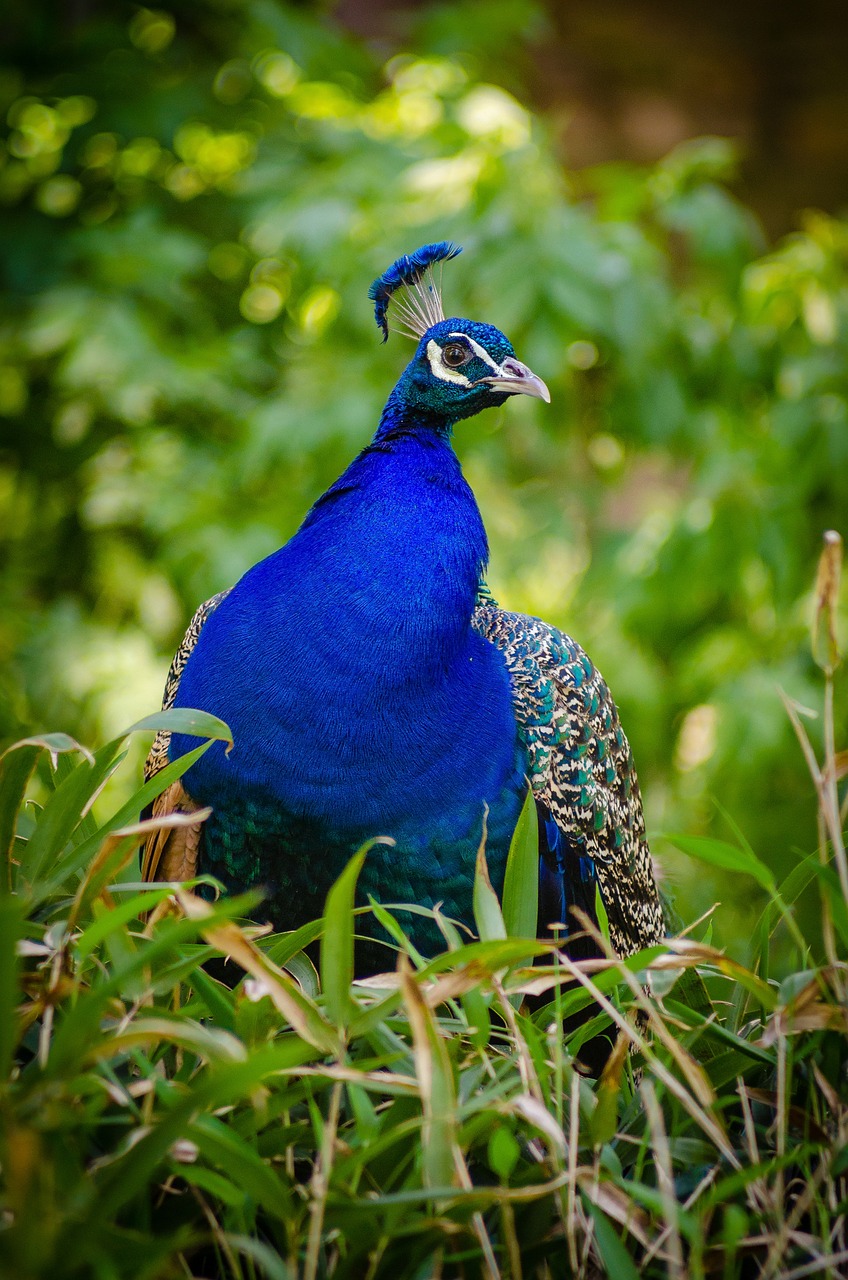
[280,947]
[395,931]
[208,1042]
[337,940]
[268,1262]
[503,1152]
[80,1023]
[221,1144]
[217,997]
[129,1175]
[215,1183]
[63,812]
[435,1079]
[730,857]
[47,843]
[76,858]
[195,724]
[107,921]
[367,1120]
[617,1261]
[829,881]
[16,768]
[521,880]
[477,1016]
[305,974]
[487,909]
[712,1030]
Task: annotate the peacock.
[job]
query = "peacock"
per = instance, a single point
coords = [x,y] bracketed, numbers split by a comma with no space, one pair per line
[374,687]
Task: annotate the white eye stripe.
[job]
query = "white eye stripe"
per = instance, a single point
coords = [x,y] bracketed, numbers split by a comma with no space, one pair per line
[434,355]
[479,351]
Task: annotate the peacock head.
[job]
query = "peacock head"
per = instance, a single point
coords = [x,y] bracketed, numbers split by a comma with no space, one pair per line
[460,366]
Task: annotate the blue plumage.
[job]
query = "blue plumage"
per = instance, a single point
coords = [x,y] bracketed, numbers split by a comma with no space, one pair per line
[374,688]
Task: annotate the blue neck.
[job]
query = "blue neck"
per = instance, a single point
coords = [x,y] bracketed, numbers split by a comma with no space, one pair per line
[404,535]
[401,418]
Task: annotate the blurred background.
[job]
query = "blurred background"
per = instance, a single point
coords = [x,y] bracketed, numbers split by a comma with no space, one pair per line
[193,201]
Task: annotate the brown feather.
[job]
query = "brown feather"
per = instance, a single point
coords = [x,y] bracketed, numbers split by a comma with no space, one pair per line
[172,852]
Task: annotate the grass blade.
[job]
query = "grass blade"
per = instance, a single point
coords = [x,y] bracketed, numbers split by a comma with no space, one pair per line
[337,941]
[435,1079]
[521,880]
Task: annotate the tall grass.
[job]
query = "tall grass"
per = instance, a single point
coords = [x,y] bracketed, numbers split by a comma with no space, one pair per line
[157,1122]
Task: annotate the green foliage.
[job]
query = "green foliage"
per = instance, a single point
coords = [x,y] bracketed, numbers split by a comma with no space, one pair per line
[155,1122]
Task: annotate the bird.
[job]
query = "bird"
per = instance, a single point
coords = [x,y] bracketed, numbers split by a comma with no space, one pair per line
[375,688]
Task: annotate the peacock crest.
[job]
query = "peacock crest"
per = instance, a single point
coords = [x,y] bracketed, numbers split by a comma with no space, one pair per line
[409,285]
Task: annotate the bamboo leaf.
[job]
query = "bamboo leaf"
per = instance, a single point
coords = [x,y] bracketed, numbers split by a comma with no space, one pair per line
[109,919]
[63,812]
[77,858]
[129,1175]
[16,768]
[223,1145]
[304,1016]
[209,1042]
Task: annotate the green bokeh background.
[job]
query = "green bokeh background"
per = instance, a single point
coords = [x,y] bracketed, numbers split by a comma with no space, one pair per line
[194,202]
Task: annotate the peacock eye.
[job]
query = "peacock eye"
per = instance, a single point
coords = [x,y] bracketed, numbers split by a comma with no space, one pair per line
[455,354]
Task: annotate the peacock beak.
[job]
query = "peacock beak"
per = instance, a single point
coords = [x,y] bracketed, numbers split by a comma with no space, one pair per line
[516,379]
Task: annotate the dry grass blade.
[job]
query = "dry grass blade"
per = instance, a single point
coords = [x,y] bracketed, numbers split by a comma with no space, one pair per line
[827,1263]
[615,1203]
[692,1071]
[687,1101]
[806,1012]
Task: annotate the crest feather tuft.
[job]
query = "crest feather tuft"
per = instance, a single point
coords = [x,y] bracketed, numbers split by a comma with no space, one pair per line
[409,285]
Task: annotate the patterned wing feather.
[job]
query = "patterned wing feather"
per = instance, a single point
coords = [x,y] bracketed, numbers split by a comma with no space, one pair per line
[582,774]
[171,854]
[157,757]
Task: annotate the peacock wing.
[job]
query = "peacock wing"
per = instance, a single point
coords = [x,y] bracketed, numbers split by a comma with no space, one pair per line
[592,830]
[171,853]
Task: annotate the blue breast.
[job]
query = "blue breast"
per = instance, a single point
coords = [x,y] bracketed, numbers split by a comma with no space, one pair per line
[361,701]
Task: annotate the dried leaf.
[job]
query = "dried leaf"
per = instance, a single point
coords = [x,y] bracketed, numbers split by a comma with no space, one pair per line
[615,1203]
[536,1114]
